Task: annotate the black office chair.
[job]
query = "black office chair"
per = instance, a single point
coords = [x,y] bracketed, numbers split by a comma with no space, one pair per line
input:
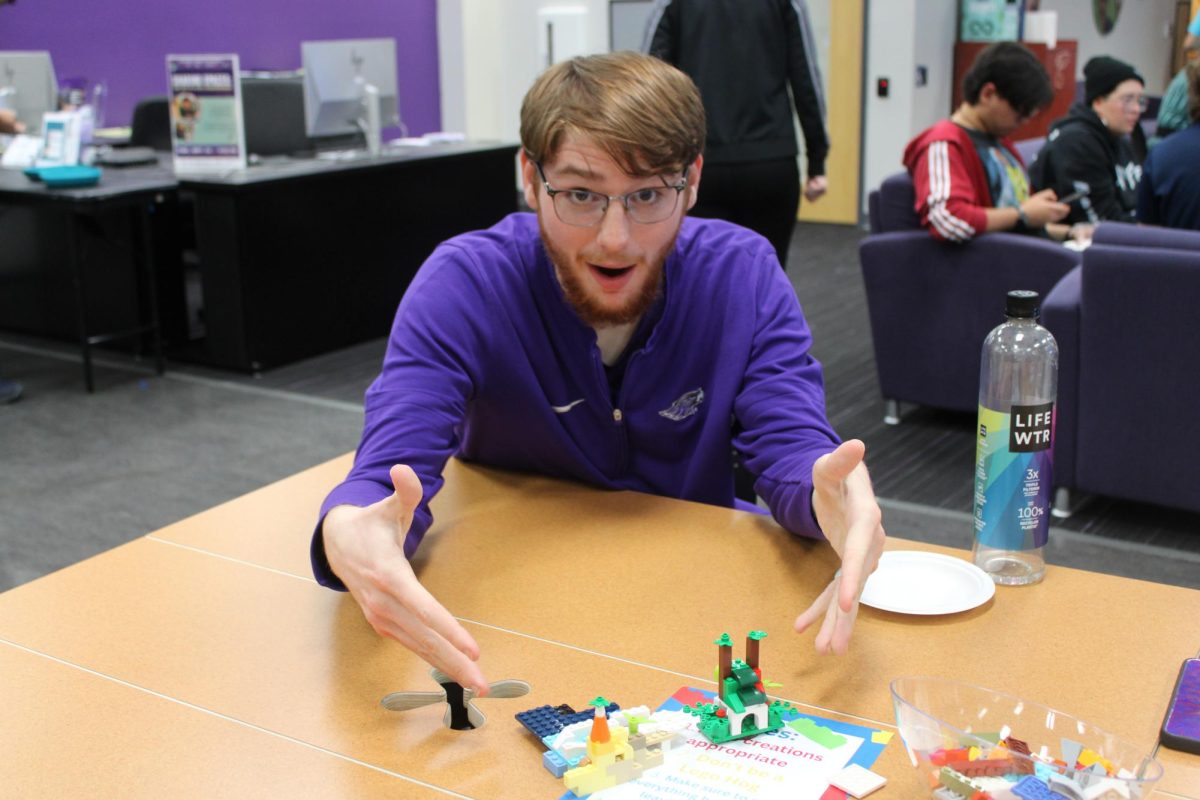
[151,126]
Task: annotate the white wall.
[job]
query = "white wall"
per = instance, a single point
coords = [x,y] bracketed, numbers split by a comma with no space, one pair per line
[488,57]
[902,35]
[935,23]
[1141,37]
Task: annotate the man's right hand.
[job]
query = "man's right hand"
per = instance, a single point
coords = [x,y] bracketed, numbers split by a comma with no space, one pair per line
[1044,207]
[365,548]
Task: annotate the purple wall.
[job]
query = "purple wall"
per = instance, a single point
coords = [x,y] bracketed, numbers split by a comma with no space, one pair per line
[125,43]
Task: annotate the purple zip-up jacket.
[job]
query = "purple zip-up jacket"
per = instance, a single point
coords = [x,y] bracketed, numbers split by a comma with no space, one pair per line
[487,360]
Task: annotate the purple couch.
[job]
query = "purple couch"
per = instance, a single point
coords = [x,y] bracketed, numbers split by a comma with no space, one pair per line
[1129,369]
[931,303]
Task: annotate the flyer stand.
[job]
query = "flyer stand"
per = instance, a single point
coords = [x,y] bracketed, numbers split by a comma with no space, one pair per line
[207,131]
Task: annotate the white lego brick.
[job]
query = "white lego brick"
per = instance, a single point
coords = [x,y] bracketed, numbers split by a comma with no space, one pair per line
[857,781]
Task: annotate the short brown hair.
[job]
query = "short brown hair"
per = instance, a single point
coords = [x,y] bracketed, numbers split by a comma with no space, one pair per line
[644,113]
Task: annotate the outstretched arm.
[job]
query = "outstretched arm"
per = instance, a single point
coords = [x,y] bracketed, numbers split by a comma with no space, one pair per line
[813,486]
[366,551]
[845,507]
[373,521]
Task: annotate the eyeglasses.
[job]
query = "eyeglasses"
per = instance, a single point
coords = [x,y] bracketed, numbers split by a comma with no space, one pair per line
[1131,100]
[586,209]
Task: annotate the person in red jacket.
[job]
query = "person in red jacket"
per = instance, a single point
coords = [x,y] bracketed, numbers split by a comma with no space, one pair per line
[967,176]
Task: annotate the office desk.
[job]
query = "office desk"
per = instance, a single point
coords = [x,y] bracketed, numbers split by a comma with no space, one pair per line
[203,660]
[297,257]
[301,257]
[140,191]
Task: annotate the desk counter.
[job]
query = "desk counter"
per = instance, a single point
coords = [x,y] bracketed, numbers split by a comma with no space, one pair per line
[114,183]
[297,257]
[273,169]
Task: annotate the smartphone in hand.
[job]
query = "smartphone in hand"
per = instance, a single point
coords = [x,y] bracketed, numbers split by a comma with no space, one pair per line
[1073,196]
[1181,726]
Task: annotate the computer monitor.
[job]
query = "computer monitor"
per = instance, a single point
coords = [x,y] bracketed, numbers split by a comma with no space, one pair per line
[28,86]
[341,80]
[273,113]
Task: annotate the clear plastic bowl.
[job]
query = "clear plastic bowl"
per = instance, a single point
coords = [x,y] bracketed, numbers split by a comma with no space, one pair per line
[941,720]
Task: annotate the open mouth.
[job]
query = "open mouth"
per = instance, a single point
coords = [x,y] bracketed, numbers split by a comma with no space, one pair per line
[611,272]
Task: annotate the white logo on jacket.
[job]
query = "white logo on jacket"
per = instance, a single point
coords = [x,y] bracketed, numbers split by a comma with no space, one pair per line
[567,407]
[687,404]
[1128,176]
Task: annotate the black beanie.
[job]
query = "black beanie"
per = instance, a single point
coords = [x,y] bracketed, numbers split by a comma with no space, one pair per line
[1103,74]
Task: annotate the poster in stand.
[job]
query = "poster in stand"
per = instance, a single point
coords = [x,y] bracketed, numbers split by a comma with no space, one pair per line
[207,131]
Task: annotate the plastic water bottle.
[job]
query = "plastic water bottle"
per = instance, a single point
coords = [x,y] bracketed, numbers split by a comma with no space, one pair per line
[1018,383]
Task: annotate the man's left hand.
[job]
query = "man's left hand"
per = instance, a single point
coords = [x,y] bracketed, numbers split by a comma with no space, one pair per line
[845,507]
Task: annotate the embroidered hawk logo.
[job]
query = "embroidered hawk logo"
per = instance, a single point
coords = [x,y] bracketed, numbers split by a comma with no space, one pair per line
[687,404]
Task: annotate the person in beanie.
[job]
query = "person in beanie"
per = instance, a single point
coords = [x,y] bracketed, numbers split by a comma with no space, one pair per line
[1092,147]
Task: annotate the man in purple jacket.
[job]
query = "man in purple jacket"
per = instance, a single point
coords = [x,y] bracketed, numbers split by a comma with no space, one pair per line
[606,339]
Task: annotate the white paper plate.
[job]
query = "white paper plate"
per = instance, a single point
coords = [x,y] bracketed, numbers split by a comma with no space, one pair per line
[915,582]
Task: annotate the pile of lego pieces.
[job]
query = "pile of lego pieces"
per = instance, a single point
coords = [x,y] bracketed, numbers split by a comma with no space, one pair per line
[564,731]
[1008,771]
[605,746]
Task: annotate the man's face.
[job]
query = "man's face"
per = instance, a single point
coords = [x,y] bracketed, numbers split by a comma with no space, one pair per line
[997,114]
[1121,108]
[611,272]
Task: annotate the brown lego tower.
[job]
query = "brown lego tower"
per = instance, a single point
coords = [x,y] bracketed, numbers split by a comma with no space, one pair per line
[724,658]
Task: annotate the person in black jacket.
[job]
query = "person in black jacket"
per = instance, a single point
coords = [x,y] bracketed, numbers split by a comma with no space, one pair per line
[743,55]
[1093,148]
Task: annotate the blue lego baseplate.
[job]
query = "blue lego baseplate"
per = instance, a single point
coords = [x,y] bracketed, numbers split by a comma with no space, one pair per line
[546,721]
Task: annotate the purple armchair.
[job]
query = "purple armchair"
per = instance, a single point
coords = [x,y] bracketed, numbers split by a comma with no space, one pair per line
[1128,377]
[931,303]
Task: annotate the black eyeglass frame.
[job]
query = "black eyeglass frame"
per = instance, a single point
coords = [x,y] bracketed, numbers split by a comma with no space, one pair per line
[608,198]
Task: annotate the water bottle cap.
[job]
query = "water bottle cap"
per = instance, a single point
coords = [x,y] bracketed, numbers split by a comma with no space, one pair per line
[1022,303]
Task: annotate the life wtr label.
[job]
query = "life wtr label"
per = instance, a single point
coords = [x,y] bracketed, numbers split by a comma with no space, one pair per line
[1013,462]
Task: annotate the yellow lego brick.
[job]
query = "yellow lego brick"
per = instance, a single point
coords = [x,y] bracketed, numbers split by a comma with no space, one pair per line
[1089,757]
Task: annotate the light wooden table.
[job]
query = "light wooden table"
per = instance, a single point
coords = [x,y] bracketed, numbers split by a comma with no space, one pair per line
[203,660]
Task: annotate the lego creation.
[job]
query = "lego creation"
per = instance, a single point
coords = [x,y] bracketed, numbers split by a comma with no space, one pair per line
[604,745]
[741,709]
[615,756]
[546,721]
[691,737]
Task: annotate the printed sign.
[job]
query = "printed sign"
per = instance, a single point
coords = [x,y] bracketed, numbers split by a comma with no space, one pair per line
[207,133]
